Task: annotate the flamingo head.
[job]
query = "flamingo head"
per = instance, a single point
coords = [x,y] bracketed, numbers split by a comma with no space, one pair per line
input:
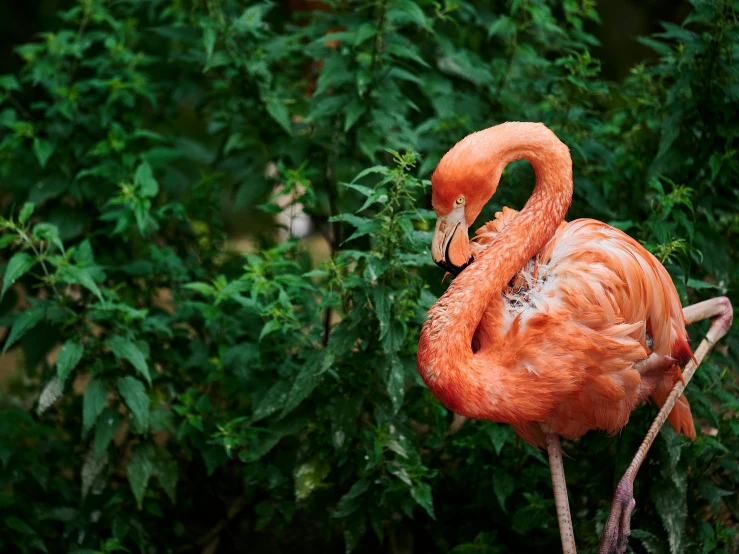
[461,185]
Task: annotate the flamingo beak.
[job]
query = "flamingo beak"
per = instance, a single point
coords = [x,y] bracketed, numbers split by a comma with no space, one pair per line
[450,248]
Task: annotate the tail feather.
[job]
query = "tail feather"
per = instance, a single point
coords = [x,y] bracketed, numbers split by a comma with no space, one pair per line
[680,417]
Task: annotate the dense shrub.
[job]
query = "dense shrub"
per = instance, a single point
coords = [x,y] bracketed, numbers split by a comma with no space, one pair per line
[173,390]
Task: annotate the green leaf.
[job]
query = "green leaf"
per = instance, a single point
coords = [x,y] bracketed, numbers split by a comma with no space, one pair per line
[265,512]
[139,470]
[126,349]
[93,403]
[73,274]
[382,297]
[133,392]
[499,434]
[20,264]
[354,529]
[698,285]
[43,150]
[68,358]
[209,41]
[144,178]
[503,26]
[396,383]
[202,288]
[48,232]
[421,493]
[270,327]
[19,525]
[354,110]
[366,191]
[9,82]
[503,484]
[24,322]
[26,212]
[351,501]
[273,400]
[374,169]
[411,12]
[105,430]
[365,229]
[308,477]
[166,471]
[307,380]
[279,112]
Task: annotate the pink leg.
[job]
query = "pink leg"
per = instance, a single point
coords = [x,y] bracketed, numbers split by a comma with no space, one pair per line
[616,532]
[560,493]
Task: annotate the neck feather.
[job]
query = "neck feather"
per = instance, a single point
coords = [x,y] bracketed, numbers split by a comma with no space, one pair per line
[445,356]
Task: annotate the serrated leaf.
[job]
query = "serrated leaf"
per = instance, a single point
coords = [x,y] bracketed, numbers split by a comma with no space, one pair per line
[365,229]
[412,12]
[273,400]
[133,392]
[93,403]
[73,274]
[24,322]
[354,110]
[698,285]
[20,264]
[307,380]
[105,428]
[166,470]
[43,150]
[503,484]
[270,327]
[380,195]
[279,112]
[349,503]
[48,232]
[499,434]
[374,169]
[366,191]
[126,349]
[421,493]
[139,470]
[144,178]
[68,358]
[381,296]
[393,340]
[51,393]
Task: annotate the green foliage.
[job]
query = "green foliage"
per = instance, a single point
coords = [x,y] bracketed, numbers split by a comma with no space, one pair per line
[192,395]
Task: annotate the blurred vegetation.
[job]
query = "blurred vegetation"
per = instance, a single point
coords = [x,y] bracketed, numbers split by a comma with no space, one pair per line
[176,388]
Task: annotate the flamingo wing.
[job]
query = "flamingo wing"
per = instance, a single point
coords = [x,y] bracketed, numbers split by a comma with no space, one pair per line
[577,320]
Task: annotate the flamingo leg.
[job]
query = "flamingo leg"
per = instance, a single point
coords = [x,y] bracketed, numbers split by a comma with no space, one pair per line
[560,493]
[617,530]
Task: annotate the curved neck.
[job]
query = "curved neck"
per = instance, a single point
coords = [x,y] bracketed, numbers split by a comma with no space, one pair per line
[445,347]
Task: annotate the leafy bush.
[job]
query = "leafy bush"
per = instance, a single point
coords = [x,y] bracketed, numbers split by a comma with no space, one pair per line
[174,390]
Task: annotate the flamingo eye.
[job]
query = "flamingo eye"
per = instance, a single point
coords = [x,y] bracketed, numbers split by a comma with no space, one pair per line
[459,201]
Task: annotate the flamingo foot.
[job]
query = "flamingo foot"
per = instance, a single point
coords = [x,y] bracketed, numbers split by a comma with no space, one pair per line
[616,533]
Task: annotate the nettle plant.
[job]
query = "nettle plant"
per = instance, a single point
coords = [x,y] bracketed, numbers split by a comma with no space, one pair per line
[168,385]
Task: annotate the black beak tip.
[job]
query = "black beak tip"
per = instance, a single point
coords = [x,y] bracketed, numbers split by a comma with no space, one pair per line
[453,269]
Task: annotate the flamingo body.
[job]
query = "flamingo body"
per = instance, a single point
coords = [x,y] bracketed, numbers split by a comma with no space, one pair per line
[586,310]
[553,322]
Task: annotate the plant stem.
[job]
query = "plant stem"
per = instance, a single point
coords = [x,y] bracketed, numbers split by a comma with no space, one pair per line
[26,238]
